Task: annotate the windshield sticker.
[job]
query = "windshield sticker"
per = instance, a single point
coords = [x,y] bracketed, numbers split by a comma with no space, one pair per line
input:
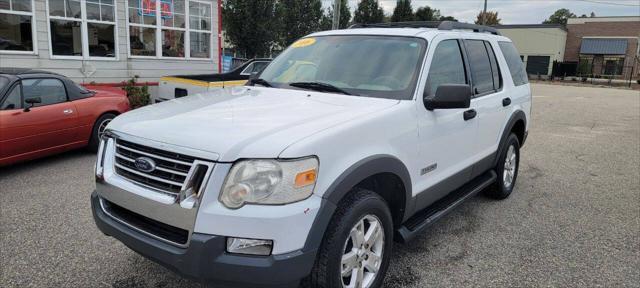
[304,42]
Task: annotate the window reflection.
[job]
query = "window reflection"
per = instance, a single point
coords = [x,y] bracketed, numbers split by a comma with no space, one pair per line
[66,39]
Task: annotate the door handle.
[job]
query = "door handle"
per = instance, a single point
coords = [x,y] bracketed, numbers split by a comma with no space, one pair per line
[469,114]
[506,102]
[67,111]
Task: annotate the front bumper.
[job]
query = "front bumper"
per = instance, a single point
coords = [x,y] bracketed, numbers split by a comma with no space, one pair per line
[206,260]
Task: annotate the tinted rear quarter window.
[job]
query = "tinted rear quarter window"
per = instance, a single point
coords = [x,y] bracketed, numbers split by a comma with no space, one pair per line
[480,66]
[514,62]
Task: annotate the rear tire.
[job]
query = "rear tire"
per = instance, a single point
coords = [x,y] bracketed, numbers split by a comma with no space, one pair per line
[507,169]
[344,257]
[98,129]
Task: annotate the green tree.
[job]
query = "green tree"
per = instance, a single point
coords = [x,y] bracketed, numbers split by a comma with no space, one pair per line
[326,20]
[559,17]
[250,25]
[448,18]
[345,16]
[368,12]
[403,11]
[297,18]
[426,13]
[490,18]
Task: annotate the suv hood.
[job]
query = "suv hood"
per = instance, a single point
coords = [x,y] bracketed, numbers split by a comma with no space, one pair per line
[244,122]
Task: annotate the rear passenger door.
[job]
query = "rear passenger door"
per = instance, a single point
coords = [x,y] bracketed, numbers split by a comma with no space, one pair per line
[489,97]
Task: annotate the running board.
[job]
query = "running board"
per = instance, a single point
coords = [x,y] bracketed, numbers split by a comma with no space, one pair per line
[423,219]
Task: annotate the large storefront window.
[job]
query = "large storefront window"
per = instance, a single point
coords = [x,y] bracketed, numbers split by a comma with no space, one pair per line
[200,27]
[169,28]
[66,37]
[16,26]
[613,65]
[78,35]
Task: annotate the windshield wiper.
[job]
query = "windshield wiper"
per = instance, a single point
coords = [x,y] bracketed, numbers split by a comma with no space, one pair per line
[319,86]
[260,81]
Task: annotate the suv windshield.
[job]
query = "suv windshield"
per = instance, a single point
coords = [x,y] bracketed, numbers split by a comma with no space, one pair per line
[374,66]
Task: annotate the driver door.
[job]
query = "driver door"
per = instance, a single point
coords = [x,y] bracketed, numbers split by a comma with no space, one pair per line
[49,124]
[447,139]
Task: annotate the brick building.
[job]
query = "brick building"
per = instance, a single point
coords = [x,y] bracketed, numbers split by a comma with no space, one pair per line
[604,46]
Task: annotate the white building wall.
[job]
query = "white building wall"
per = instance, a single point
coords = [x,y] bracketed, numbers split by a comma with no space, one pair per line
[538,42]
[110,71]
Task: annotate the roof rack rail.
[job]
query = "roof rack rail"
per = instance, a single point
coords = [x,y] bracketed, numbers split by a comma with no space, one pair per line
[450,25]
[409,24]
[441,25]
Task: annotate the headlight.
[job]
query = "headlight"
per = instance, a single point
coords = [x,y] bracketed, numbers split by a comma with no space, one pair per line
[270,182]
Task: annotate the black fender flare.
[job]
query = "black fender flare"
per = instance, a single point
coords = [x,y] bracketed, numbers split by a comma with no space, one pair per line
[355,174]
[515,117]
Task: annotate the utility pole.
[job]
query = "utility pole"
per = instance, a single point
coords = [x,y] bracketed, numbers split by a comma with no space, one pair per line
[336,15]
[484,13]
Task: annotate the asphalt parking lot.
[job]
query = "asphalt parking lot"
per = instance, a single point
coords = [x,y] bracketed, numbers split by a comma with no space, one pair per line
[573,220]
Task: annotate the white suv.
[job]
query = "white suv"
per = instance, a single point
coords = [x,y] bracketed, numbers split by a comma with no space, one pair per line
[347,141]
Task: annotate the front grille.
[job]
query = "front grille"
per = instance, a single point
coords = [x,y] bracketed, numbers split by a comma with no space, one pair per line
[169,175]
[146,224]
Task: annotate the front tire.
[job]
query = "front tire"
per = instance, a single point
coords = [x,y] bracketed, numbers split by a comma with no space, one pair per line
[356,248]
[507,169]
[98,129]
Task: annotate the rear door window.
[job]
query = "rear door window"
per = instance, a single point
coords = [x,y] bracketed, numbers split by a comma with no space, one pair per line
[50,91]
[480,63]
[514,62]
[495,68]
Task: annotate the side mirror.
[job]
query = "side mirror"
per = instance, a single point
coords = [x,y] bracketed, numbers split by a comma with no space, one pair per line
[449,96]
[31,101]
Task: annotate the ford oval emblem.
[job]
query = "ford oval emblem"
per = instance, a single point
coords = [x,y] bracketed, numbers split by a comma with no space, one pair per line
[145,164]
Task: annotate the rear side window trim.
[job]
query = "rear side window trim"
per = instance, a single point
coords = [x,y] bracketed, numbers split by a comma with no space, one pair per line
[494,65]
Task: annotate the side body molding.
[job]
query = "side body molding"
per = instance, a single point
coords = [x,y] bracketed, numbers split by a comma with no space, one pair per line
[355,174]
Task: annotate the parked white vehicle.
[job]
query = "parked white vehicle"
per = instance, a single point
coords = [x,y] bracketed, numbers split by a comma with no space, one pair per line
[172,87]
[348,140]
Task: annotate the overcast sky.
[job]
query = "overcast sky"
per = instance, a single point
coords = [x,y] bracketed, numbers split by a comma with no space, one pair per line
[517,11]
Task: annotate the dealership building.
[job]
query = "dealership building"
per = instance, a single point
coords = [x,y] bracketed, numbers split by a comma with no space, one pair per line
[605,46]
[108,41]
[539,45]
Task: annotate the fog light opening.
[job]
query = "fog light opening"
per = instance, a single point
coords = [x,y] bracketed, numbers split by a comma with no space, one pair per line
[249,246]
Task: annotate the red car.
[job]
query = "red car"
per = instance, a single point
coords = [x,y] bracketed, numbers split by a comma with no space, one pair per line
[43,113]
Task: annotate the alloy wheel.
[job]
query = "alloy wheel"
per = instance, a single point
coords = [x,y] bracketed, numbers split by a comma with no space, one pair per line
[102,127]
[362,253]
[510,165]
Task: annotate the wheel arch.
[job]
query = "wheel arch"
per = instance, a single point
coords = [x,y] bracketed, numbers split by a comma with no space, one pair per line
[367,173]
[517,124]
